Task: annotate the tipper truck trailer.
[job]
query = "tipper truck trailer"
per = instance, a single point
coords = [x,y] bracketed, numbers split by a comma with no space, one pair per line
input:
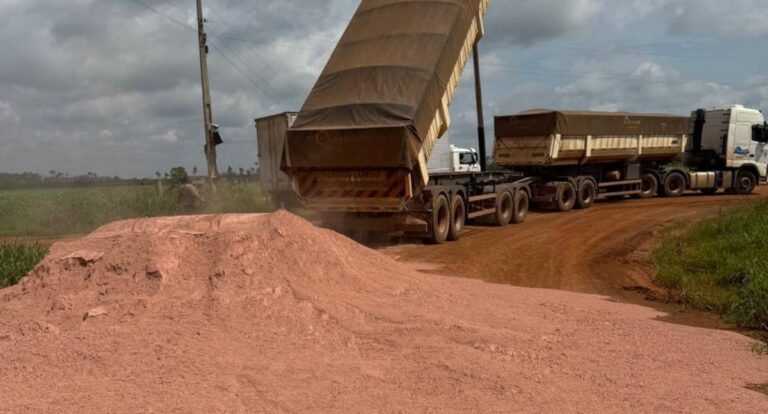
[572,159]
[359,149]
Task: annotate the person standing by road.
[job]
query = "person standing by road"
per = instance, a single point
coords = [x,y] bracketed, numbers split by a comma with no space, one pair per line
[190,200]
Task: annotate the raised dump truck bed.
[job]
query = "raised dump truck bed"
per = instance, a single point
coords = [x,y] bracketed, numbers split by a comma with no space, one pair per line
[363,139]
[551,138]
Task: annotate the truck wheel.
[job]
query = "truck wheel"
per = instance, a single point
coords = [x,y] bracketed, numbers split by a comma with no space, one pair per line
[674,185]
[522,205]
[441,220]
[649,186]
[745,183]
[458,218]
[505,206]
[566,197]
[587,194]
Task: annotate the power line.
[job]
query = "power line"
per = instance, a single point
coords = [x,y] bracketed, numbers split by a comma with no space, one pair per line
[572,74]
[669,55]
[226,58]
[166,16]
[255,52]
[245,75]
[252,71]
[175,6]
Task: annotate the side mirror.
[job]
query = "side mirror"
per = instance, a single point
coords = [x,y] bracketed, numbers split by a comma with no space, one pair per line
[760,133]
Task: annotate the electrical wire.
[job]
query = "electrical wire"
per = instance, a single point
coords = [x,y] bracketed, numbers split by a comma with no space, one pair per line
[255,53]
[245,75]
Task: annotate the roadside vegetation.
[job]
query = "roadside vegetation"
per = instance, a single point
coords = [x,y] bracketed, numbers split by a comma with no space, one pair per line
[720,265]
[69,211]
[16,260]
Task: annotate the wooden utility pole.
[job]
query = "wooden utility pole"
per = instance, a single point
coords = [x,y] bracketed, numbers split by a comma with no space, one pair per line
[210,145]
[480,115]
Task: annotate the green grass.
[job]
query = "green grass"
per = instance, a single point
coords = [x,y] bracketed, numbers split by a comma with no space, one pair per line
[16,260]
[720,265]
[57,212]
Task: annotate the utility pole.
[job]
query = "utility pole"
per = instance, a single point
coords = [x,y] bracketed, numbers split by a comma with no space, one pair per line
[480,115]
[210,145]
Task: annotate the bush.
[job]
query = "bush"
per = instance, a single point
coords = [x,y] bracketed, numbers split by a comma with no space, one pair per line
[16,260]
[720,265]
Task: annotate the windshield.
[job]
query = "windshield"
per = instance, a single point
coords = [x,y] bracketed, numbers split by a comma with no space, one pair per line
[467,158]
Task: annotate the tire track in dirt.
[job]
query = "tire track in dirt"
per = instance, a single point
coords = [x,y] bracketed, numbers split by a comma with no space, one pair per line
[603,250]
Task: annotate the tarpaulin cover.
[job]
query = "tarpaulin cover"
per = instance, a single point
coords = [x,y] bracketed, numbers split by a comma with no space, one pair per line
[378,94]
[544,123]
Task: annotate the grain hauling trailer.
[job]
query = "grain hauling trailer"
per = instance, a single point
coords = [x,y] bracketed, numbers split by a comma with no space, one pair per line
[359,149]
[270,135]
[575,158]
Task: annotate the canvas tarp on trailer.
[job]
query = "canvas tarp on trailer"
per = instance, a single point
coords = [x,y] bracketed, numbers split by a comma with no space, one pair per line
[542,138]
[382,99]
[541,123]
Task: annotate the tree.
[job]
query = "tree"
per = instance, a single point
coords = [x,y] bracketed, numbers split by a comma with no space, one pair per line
[179,175]
[242,171]
[194,171]
[230,171]
[157,173]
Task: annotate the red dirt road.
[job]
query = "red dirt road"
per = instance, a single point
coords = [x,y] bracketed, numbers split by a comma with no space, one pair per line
[603,250]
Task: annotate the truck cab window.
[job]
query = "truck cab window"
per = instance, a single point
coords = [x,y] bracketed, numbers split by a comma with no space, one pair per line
[760,133]
[467,158]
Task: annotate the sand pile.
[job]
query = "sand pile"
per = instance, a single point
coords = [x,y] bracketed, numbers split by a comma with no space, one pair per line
[266,313]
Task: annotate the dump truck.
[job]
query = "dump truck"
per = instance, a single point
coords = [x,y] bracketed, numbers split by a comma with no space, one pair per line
[359,149]
[571,159]
[270,136]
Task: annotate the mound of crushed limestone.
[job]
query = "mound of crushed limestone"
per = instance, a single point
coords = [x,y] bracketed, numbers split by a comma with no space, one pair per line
[266,313]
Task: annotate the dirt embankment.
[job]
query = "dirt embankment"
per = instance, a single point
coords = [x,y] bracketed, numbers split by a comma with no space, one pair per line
[266,313]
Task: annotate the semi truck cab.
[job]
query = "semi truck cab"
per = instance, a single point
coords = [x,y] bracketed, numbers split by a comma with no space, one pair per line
[730,139]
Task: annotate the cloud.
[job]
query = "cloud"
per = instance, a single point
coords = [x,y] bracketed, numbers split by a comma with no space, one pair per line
[527,22]
[734,18]
[113,87]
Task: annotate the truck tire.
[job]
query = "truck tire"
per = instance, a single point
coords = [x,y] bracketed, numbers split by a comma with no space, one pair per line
[745,182]
[649,187]
[441,220]
[522,205]
[458,218]
[674,185]
[587,194]
[505,209]
[566,197]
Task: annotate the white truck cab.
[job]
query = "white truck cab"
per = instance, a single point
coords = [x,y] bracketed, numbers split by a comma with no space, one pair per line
[738,136]
[450,159]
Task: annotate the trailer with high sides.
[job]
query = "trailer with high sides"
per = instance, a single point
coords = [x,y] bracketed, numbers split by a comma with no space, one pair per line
[571,159]
[359,150]
[270,137]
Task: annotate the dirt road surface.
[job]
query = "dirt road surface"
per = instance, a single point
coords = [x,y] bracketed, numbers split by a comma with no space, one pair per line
[603,250]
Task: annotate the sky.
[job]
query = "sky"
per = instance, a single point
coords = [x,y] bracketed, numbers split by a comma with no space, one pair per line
[113,86]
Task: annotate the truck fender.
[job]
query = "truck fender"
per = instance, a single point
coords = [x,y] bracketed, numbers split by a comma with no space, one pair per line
[753,169]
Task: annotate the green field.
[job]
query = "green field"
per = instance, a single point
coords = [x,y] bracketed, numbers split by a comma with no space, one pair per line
[720,265]
[66,211]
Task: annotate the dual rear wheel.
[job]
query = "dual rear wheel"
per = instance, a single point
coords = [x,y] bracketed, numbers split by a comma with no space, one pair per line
[449,219]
